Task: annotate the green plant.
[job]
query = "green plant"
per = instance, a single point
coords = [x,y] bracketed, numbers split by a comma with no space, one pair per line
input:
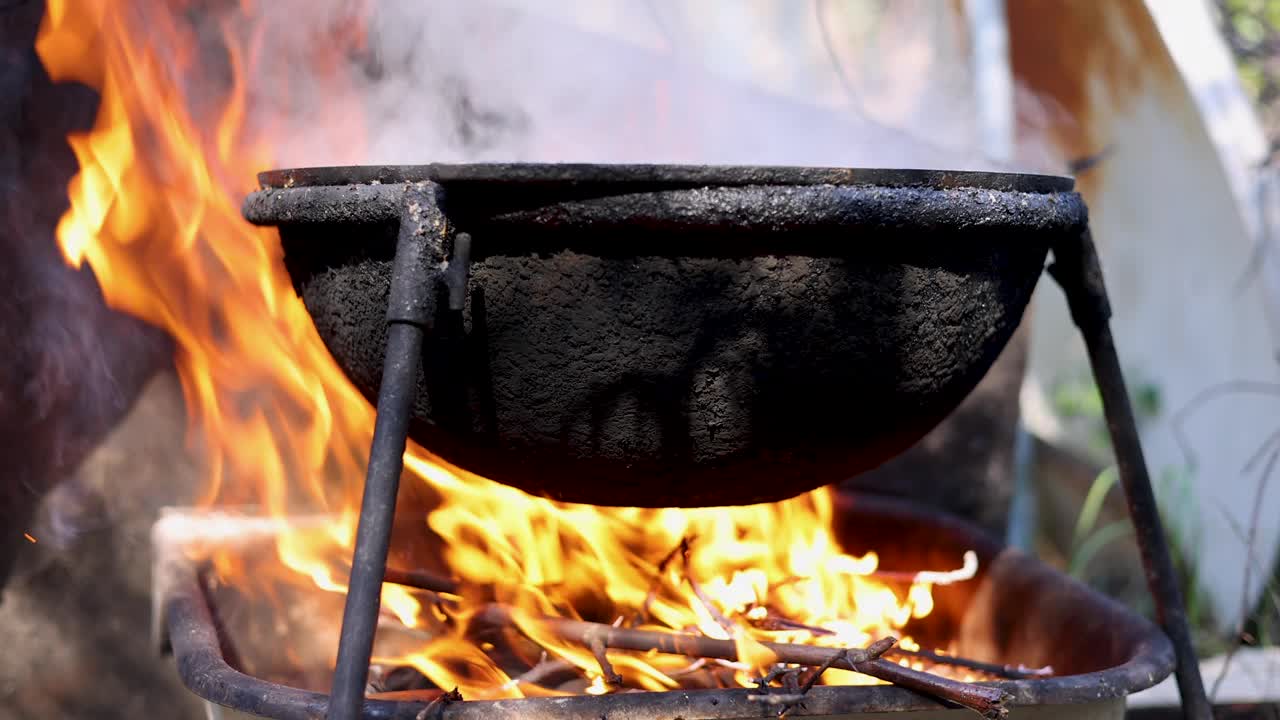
[1261,625]
[1085,542]
[1251,28]
[1079,399]
[1176,498]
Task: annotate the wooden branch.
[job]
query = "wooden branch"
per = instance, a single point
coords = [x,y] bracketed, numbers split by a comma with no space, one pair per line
[808,685]
[725,623]
[611,676]
[546,668]
[433,708]
[420,579]
[697,646]
[774,621]
[984,700]
[426,695]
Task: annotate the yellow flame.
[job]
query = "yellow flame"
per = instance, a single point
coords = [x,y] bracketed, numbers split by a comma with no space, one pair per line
[154,211]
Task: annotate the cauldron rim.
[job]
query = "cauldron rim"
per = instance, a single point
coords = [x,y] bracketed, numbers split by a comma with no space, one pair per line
[667,176]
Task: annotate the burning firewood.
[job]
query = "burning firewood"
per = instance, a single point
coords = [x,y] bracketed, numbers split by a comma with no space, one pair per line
[868,661]
[598,638]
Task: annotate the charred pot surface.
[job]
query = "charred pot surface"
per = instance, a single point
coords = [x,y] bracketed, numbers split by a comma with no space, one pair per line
[654,337]
[1016,610]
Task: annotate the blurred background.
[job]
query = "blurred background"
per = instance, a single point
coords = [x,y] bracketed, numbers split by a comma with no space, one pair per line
[1166,111]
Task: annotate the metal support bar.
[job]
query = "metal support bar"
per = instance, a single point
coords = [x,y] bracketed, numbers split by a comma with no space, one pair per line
[1077,270]
[419,261]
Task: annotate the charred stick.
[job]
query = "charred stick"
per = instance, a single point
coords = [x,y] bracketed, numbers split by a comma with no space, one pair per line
[986,701]
[867,661]
[791,682]
[642,615]
[422,580]
[403,678]
[705,599]
[808,684]
[813,678]
[426,695]
[543,671]
[779,672]
[680,549]
[982,699]
[693,667]
[619,638]
[774,621]
[652,595]
[435,707]
[598,649]
[702,596]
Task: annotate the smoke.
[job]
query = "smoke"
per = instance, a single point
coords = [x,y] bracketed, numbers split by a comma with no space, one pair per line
[763,82]
[720,82]
[407,82]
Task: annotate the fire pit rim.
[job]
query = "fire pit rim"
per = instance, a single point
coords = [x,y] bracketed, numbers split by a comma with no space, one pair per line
[669,175]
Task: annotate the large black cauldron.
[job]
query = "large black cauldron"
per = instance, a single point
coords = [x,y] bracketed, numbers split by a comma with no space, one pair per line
[680,336]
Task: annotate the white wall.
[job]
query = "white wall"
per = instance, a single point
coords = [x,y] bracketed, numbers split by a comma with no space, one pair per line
[1169,213]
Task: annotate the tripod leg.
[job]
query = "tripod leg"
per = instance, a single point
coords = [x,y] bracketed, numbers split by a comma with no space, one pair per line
[420,250]
[1077,270]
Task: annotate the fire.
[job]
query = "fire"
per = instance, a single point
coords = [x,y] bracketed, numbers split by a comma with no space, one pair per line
[154,211]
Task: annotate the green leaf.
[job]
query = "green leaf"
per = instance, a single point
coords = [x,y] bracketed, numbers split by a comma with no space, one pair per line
[1081,558]
[1077,399]
[1092,506]
[1249,28]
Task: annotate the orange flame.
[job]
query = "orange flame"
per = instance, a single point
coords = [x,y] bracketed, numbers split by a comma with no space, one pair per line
[155,213]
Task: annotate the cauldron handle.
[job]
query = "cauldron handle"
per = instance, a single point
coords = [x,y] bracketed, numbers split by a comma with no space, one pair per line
[456,274]
[422,263]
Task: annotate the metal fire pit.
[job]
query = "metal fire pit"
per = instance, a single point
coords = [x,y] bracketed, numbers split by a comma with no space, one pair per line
[1016,610]
[676,336]
[679,336]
